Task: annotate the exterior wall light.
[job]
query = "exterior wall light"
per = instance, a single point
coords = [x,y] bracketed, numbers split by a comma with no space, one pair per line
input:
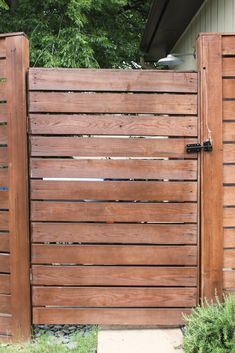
[174,59]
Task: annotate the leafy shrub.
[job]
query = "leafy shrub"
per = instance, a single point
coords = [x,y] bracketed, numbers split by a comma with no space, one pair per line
[211,328]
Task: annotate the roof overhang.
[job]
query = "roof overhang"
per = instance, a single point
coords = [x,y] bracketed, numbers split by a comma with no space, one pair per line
[167,20]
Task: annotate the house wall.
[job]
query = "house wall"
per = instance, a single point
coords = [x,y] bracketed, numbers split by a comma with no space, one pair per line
[213,16]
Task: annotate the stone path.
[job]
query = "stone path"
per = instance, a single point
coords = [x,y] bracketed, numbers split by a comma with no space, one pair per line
[140,341]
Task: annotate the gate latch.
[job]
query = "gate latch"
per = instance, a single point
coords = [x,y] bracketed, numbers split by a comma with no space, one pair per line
[197,147]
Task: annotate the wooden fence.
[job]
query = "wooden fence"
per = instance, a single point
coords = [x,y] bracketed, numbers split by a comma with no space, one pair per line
[126,227]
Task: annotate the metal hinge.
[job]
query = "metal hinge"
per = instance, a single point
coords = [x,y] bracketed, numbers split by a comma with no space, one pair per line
[197,147]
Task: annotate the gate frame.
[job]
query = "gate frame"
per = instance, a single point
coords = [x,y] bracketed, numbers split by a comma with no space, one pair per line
[211,194]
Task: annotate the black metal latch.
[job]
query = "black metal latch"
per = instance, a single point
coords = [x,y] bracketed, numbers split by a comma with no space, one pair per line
[197,147]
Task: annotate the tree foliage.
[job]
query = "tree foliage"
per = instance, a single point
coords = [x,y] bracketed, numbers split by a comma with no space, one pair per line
[78,33]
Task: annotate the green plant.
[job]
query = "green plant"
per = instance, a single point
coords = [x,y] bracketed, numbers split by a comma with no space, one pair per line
[211,328]
[79,343]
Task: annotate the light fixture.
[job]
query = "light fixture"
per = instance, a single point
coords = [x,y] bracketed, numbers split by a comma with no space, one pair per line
[173,59]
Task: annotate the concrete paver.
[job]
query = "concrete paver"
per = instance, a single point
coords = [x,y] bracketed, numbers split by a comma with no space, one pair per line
[140,341]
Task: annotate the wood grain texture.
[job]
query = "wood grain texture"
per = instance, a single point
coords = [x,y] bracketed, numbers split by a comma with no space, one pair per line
[4,220]
[4,263]
[113,190]
[3,134]
[111,80]
[113,125]
[229,258]
[5,304]
[228,88]
[4,284]
[110,147]
[169,317]
[4,203]
[117,169]
[17,54]
[3,93]
[229,238]
[229,217]
[5,324]
[2,48]
[114,255]
[229,153]
[72,102]
[113,297]
[228,45]
[210,71]
[114,233]
[229,195]
[2,68]
[229,279]
[3,112]
[229,110]
[228,68]
[113,276]
[113,212]
[4,243]
[3,154]
[229,131]
[3,177]
[229,174]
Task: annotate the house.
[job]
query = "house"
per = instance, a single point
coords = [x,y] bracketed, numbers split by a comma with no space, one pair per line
[173,26]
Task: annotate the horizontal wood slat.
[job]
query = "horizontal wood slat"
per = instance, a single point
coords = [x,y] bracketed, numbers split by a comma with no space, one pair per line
[229,238]
[5,304]
[113,212]
[3,93]
[113,297]
[3,154]
[115,233]
[2,48]
[229,131]
[5,324]
[4,243]
[2,68]
[229,153]
[229,279]
[4,220]
[110,147]
[3,177]
[229,258]
[113,125]
[228,45]
[229,195]
[229,217]
[111,190]
[229,174]
[114,255]
[3,134]
[124,169]
[228,87]
[169,317]
[61,102]
[228,67]
[3,112]
[4,263]
[4,284]
[111,80]
[113,276]
[4,199]
[229,110]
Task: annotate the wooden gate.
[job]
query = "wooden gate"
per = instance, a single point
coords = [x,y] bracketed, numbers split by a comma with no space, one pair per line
[114,196]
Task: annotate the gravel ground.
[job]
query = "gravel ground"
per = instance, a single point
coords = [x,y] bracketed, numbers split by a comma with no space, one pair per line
[63,333]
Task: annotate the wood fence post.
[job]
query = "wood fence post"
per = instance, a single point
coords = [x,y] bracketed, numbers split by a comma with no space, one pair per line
[209,54]
[17,61]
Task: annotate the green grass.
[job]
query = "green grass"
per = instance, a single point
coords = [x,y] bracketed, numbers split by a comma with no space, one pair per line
[80,343]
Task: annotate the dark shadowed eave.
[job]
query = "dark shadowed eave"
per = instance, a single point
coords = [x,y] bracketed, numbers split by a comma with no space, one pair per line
[167,20]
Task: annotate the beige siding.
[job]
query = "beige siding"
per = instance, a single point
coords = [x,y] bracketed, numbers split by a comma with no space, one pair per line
[214,16]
